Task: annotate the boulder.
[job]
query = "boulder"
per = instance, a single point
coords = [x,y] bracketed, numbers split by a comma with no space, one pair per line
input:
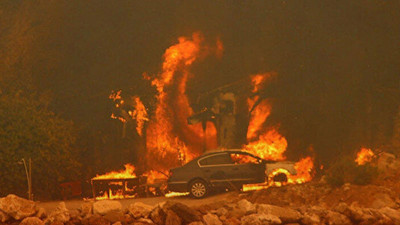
[383,200]
[211,219]
[236,213]
[287,215]
[196,223]
[41,213]
[172,218]
[144,221]
[4,217]
[139,209]
[117,223]
[86,208]
[114,216]
[32,221]
[157,215]
[246,206]
[17,207]
[186,213]
[311,219]
[221,211]
[335,218]
[95,220]
[393,214]
[232,221]
[260,219]
[105,206]
[60,214]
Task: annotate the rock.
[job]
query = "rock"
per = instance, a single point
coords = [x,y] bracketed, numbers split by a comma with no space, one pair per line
[388,162]
[383,200]
[139,209]
[196,223]
[172,218]
[145,221]
[60,214]
[236,213]
[394,215]
[32,221]
[95,220]
[4,217]
[232,221]
[334,218]
[211,219]
[117,223]
[311,219]
[186,213]
[157,215]
[55,223]
[287,215]
[105,206]
[86,208]
[246,206]
[114,216]
[41,213]
[17,207]
[221,211]
[74,221]
[260,219]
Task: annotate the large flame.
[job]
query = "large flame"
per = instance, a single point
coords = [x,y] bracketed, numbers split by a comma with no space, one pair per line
[364,155]
[267,144]
[170,140]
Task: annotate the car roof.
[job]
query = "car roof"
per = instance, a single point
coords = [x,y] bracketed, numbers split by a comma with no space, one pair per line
[213,152]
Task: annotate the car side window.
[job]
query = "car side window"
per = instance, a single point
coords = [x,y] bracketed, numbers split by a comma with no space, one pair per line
[216,160]
[243,159]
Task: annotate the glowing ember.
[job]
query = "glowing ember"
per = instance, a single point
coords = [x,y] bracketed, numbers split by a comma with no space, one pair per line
[364,155]
[129,172]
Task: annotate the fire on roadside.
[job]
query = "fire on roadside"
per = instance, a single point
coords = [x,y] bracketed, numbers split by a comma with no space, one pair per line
[364,156]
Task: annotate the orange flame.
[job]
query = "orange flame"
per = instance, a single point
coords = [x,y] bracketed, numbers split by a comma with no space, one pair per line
[139,114]
[364,155]
[129,172]
[168,134]
[304,168]
[270,146]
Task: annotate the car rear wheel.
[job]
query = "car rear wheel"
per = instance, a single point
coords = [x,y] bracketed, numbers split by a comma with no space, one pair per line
[198,189]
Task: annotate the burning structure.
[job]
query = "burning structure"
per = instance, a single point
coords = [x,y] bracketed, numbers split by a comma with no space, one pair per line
[232,116]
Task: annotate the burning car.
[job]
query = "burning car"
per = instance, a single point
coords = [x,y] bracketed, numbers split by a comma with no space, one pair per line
[228,169]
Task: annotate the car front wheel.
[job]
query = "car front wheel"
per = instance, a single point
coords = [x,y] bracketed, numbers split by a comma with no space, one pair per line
[198,189]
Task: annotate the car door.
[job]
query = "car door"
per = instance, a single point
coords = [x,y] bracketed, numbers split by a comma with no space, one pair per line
[216,167]
[247,168]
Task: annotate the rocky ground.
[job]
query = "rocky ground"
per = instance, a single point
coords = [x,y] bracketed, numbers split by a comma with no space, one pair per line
[311,203]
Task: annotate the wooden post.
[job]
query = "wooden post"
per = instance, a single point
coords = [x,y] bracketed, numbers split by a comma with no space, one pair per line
[93,190]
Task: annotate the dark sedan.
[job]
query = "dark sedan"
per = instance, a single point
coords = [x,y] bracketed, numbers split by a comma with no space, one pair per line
[229,169]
